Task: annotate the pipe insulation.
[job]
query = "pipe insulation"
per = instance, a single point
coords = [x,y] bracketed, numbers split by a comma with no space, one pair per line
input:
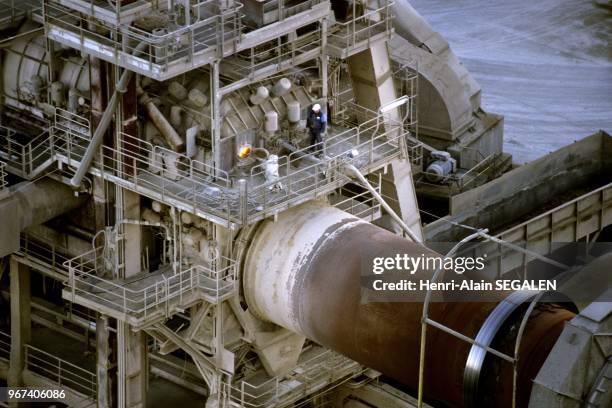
[303,272]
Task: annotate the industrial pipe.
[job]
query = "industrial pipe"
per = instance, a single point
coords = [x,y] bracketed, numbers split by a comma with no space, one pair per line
[43,200]
[409,24]
[105,122]
[98,135]
[33,203]
[302,272]
[175,142]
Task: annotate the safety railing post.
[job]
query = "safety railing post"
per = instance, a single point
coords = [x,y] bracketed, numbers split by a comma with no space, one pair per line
[243,198]
[166,302]
[22,157]
[145,306]
[59,372]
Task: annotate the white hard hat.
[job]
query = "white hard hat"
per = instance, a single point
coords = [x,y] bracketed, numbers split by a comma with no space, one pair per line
[316,107]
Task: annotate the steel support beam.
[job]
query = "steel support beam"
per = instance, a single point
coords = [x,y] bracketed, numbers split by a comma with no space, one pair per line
[20,321]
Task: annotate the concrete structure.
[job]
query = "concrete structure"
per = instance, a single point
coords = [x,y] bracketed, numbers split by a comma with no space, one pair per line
[169,234]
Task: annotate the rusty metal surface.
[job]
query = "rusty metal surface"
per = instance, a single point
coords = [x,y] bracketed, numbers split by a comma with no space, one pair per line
[541,333]
[384,336]
[326,302]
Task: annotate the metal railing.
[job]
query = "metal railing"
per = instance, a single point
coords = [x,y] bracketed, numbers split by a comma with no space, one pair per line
[193,186]
[367,146]
[167,292]
[25,158]
[361,30]
[277,54]
[314,374]
[281,9]
[11,11]
[158,173]
[3,182]
[43,254]
[60,371]
[210,27]
[360,202]
[5,346]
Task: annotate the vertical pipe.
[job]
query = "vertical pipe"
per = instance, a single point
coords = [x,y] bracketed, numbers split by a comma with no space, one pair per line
[324,65]
[216,117]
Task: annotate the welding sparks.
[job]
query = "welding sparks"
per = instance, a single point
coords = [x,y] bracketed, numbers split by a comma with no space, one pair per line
[244,152]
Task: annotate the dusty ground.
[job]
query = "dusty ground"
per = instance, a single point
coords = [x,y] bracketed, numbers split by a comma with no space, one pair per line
[545,65]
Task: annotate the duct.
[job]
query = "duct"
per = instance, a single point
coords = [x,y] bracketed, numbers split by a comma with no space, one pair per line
[448,86]
[33,203]
[413,27]
[302,272]
[105,122]
[43,200]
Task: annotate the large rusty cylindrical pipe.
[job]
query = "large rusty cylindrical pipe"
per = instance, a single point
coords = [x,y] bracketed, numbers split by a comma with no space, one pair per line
[303,272]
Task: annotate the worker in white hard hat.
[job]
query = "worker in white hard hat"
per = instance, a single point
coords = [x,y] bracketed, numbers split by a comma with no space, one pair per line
[317,123]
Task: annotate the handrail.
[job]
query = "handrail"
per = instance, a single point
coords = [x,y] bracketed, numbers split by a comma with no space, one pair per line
[45,253]
[600,190]
[361,204]
[3,182]
[60,371]
[84,278]
[5,346]
[278,53]
[364,27]
[207,30]
[197,187]
[321,365]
